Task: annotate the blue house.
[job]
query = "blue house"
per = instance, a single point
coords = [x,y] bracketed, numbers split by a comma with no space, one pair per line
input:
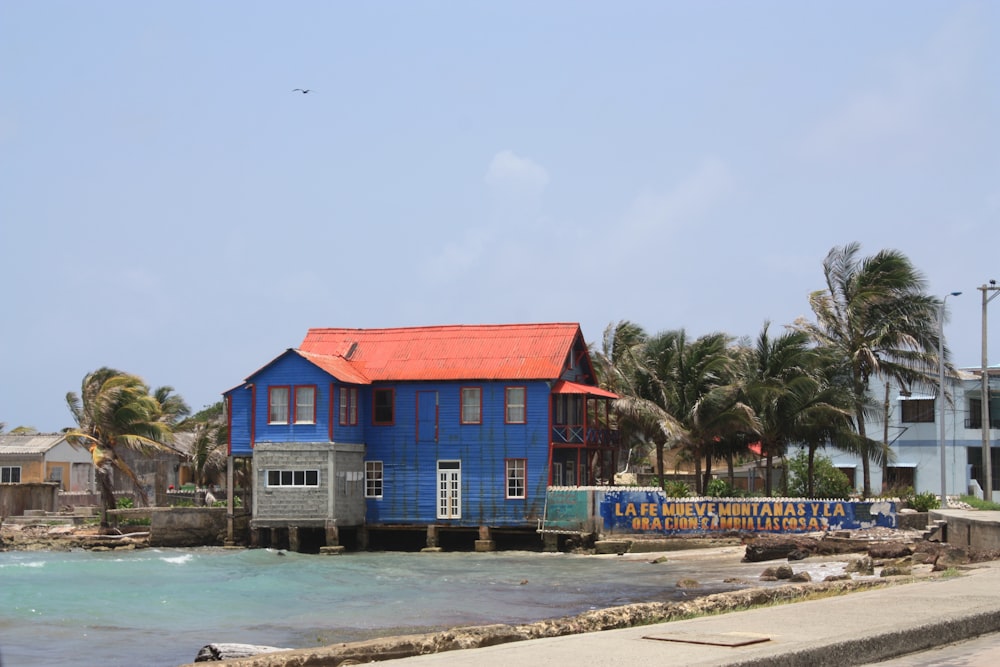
[457,429]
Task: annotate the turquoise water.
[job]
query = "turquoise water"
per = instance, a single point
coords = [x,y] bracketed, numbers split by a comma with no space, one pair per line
[159,607]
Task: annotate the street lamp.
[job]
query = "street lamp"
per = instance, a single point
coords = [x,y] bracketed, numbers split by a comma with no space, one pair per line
[985,400]
[943,395]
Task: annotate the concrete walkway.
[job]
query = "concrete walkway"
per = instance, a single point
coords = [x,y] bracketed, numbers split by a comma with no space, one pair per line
[851,629]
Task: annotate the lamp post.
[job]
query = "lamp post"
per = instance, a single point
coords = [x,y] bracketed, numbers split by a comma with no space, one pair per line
[985,400]
[942,399]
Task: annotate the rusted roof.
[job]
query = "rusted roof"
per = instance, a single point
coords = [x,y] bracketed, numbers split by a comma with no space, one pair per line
[566,387]
[456,352]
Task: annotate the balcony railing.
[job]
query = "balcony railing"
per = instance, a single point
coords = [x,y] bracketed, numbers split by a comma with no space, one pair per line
[977,422]
[577,435]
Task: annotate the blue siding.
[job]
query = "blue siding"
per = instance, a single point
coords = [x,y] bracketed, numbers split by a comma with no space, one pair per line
[410,493]
[410,468]
[239,420]
[291,371]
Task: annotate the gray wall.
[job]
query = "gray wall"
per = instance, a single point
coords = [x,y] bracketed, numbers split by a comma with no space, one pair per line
[339,497]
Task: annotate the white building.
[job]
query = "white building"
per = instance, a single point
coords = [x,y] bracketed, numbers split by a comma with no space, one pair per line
[913,431]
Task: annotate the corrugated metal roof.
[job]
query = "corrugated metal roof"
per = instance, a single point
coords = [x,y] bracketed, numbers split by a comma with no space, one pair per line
[566,387]
[455,352]
[23,445]
[338,367]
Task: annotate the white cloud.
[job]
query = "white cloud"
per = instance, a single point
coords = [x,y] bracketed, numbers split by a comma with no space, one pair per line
[511,176]
[910,108]
[688,199]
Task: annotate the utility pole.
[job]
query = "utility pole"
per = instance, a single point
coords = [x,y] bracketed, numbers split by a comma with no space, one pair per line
[985,400]
[942,396]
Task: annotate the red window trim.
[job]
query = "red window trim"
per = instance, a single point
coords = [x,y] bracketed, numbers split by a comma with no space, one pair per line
[295,403]
[506,396]
[352,406]
[392,393]
[461,406]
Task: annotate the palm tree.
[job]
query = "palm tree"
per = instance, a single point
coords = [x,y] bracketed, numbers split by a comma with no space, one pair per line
[681,396]
[874,315]
[115,411]
[210,431]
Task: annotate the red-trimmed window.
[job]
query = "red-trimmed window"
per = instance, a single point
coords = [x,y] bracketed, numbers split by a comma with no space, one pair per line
[516,475]
[305,405]
[277,405]
[472,405]
[384,407]
[514,408]
[348,406]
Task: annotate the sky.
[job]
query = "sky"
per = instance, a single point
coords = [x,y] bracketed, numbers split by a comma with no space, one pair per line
[171,208]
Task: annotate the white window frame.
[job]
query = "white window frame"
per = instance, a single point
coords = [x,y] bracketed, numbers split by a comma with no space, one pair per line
[472,405]
[449,489]
[284,478]
[277,411]
[516,476]
[374,479]
[7,474]
[305,411]
[515,412]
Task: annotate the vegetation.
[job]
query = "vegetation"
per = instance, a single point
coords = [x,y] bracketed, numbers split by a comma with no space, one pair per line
[923,502]
[116,411]
[208,451]
[979,503]
[827,481]
[876,320]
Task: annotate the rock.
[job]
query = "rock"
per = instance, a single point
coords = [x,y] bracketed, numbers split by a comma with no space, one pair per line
[688,583]
[863,566]
[837,577]
[801,577]
[769,574]
[890,550]
[784,572]
[218,652]
[661,559]
[895,571]
[798,554]
[950,557]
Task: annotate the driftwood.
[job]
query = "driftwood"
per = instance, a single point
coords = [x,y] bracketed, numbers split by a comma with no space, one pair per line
[217,652]
[796,547]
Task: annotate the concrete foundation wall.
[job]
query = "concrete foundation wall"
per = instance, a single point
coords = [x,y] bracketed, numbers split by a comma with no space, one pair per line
[187,526]
[16,498]
[974,530]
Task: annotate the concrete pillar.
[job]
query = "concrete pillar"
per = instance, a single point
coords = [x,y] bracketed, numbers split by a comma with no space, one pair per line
[485,543]
[362,537]
[293,538]
[255,538]
[550,542]
[332,534]
[432,536]
[230,503]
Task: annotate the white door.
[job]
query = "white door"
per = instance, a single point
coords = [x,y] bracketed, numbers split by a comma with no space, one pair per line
[449,489]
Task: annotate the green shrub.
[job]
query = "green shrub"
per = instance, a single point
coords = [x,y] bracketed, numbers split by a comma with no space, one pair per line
[719,488]
[675,489]
[828,482]
[125,503]
[923,502]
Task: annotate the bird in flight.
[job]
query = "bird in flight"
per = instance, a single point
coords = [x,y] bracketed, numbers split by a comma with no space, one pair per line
[301,90]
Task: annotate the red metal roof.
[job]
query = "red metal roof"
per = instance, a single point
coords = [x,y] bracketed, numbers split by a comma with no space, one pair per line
[457,352]
[566,387]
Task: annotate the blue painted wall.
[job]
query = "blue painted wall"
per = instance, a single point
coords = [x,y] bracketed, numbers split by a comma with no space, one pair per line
[410,467]
[410,493]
